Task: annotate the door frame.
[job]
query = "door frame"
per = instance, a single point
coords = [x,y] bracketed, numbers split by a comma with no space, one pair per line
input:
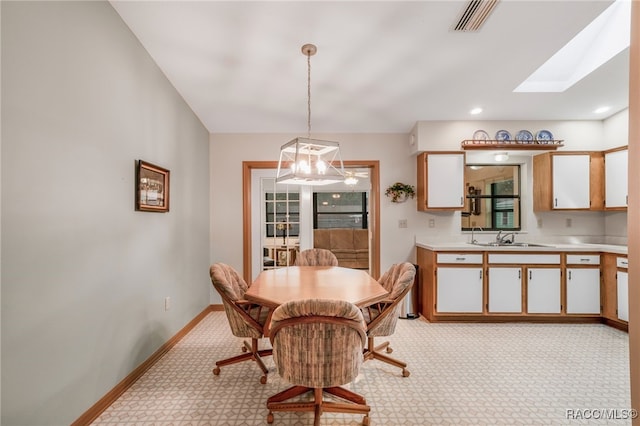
[374,212]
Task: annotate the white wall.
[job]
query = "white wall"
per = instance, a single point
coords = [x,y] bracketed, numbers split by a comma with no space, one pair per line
[616,130]
[84,276]
[447,135]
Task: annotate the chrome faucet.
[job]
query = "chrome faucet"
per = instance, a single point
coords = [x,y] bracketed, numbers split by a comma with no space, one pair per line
[473,240]
[502,239]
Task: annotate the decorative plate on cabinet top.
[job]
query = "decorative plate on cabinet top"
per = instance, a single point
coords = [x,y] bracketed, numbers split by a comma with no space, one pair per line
[544,135]
[480,135]
[503,135]
[524,136]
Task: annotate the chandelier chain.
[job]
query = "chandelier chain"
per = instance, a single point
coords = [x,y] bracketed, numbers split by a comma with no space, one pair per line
[308,96]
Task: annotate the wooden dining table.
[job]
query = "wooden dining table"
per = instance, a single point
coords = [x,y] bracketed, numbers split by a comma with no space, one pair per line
[274,287]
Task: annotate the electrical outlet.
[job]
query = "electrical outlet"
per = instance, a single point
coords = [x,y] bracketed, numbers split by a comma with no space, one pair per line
[432,223]
[167,303]
[402,223]
[568,222]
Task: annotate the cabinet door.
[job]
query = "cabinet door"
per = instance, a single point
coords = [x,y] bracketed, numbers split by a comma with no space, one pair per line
[505,290]
[445,181]
[615,178]
[583,290]
[623,296]
[571,175]
[543,290]
[459,290]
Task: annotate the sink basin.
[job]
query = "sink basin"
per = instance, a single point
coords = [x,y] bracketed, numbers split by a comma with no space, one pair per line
[486,244]
[494,244]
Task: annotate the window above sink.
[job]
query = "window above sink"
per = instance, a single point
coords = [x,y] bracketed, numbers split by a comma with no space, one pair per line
[492,198]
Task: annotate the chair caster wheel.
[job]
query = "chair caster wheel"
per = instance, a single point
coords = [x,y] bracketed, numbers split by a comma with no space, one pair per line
[389,349]
[263,379]
[216,371]
[405,372]
[365,421]
[270,418]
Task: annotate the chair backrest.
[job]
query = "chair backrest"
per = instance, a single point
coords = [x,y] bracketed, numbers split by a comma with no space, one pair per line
[318,343]
[397,280]
[243,320]
[316,257]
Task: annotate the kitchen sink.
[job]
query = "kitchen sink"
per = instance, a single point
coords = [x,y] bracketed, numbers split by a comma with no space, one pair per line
[524,245]
[495,244]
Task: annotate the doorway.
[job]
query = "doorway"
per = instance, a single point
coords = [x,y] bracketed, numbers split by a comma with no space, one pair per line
[289,214]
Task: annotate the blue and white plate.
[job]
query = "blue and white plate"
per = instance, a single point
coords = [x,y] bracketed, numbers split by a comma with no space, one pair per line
[503,135]
[524,136]
[480,135]
[544,136]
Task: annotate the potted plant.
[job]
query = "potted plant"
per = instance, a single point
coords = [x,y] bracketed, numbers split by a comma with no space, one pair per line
[399,192]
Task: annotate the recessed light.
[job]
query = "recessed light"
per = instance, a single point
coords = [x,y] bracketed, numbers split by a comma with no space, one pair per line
[475,111]
[602,109]
[501,156]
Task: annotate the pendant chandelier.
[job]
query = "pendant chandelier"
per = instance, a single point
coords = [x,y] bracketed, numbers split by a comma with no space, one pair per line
[306,161]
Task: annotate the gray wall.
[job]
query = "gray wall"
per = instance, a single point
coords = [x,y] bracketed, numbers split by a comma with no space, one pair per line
[84,276]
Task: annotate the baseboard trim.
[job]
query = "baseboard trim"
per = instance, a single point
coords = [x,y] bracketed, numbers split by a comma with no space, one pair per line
[98,408]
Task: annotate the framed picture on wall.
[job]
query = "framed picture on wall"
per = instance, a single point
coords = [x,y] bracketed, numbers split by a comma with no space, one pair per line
[152,187]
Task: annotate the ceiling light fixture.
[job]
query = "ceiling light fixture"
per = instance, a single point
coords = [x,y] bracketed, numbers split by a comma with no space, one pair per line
[306,161]
[475,111]
[350,179]
[501,156]
[601,109]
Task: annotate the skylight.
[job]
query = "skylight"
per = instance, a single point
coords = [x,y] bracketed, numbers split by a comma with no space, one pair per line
[597,43]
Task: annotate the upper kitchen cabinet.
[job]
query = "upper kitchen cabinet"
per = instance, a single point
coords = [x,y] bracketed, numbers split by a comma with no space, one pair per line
[568,181]
[441,181]
[616,178]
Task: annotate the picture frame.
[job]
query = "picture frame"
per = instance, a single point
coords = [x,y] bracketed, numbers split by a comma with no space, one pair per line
[152,187]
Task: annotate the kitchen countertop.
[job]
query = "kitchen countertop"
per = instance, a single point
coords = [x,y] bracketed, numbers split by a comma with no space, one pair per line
[468,247]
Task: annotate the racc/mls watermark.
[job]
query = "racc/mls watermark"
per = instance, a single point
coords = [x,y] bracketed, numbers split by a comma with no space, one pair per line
[601,413]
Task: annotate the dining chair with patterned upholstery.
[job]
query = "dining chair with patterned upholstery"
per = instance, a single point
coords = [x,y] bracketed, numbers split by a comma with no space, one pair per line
[246,319]
[316,257]
[318,347]
[382,317]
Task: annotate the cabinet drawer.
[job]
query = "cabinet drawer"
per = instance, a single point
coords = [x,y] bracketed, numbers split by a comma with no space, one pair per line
[622,262]
[583,259]
[472,258]
[522,259]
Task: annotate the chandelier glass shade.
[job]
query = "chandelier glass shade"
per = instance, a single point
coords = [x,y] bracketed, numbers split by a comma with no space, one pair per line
[307,161]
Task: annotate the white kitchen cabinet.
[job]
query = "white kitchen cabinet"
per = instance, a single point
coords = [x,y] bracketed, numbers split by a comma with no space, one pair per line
[623,295]
[583,290]
[505,290]
[568,181]
[441,181]
[459,289]
[616,178]
[571,181]
[543,291]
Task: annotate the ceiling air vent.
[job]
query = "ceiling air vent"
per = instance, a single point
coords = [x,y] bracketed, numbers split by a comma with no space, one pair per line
[474,15]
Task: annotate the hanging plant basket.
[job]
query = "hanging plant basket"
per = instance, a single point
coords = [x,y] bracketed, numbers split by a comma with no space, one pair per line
[400,192]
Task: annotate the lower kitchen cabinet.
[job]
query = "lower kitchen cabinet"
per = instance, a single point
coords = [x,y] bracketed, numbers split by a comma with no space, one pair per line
[459,289]
[543,291]
[583,291]
[623,295]
[536,286]
[505,290]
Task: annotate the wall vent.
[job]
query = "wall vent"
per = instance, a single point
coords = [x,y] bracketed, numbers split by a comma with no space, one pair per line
[474,15]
